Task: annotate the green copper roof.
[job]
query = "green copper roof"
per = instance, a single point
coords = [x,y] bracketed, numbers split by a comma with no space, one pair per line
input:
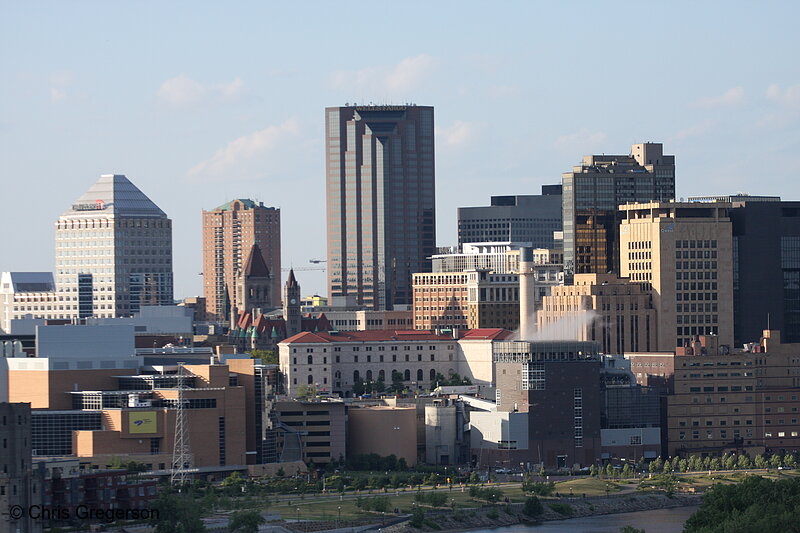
[248,204]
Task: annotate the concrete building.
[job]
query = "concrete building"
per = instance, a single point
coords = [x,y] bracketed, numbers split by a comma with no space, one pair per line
[334,361]
[654,369]
[381,212]
[383,430]
[311,431]
[28,294]
[734,402]
[17,484]
[613,311]
[113,252]
[525,218]
[229,233]
[443,420]
[682,253]
[593,190]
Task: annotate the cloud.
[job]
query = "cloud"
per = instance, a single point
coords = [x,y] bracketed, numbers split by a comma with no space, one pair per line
[580,140]
[732,97]
[694,130]
[405,75]
[458,133]
[241,149]
[59,82]
[789,97]
[183,91]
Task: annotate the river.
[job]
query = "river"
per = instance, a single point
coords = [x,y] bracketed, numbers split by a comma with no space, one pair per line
[656,521]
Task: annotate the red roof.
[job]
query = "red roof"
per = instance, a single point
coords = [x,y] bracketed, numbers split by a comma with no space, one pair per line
[369,336]
[487,333]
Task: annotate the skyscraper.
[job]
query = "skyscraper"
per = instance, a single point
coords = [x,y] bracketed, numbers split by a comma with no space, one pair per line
[682,253]
[381,209]
[229,233]
[113,251]
[591,194]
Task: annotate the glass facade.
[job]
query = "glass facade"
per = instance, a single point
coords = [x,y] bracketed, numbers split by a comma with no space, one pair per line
[51,431]
[381,205]
[790,266]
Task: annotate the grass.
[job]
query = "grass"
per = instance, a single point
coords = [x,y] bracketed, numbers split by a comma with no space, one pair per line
[591,486]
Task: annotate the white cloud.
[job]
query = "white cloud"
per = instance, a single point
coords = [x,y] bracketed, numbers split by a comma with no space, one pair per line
[243,148]
[788,97]
[732,97]
[183,91]
[406,75]
[56,95]
[694,130]
[458,133]
[580,140]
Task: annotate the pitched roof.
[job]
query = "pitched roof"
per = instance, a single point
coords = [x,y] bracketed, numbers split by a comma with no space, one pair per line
[291,281]
[114,194]
[255,267]
[487,333]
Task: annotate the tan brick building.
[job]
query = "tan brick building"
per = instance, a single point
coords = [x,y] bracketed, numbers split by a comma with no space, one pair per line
[229,232]
[732,402]
[603,308]
[682,253]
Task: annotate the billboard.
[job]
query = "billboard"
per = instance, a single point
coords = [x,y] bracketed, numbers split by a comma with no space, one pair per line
[142,422]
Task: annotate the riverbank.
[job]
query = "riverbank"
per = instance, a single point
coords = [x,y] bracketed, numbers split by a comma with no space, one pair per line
[511,514]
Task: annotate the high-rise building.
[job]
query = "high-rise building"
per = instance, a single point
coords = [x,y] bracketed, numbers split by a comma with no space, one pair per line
[591,193]
[527,218]
[16,479]
[229,232]
[682,253]
[766,267]
[113,251]
[381,209]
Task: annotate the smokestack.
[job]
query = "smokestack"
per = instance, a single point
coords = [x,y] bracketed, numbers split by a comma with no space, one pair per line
[527,295]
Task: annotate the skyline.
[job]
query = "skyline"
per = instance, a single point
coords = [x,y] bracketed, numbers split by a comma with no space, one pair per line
[195,122]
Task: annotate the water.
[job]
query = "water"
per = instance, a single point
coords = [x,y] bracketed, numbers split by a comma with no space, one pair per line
[656,521]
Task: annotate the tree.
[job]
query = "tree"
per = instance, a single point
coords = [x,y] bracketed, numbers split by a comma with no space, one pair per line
[609,470]
[626,471]
[744,461]
[683,465]
[667,467]
[358,388]
[655,466]
[246,521]
[417,517]
[177,513]
[775,461]
[593,470]
[540,488]
[631,529]
[790,461]
[305,392]
[760,462]
[532,507]
[729,462]
[268,357]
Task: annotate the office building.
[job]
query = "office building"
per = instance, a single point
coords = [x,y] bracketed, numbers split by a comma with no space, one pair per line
[383,430]
[682,253]
[593,190]
[28,294]
[17,485]
[735,402]
[229,233]
[113,252]
[381,210]
[526,218]
[604,308]
[766,271]
[314,432]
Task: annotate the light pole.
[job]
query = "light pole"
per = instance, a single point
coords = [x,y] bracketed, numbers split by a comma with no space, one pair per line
[339,519]
[298,514]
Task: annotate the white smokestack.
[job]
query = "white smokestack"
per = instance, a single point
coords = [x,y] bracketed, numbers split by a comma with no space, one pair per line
[527,295]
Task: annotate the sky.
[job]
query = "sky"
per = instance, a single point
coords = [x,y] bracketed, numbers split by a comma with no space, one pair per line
[201,102]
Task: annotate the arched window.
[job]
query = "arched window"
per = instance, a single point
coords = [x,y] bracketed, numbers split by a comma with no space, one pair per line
[382,375]
[407,375]
[338,374]
[310,359]
[369,375]
[310,379]
[419,375]
[356,376]
[433,374]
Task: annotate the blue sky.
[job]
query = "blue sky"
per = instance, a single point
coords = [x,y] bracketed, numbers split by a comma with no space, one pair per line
[200,102]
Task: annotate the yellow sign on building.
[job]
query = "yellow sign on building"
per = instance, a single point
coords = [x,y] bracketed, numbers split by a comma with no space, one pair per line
[142,422]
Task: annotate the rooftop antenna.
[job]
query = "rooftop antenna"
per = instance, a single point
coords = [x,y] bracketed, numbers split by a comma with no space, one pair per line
[181,451]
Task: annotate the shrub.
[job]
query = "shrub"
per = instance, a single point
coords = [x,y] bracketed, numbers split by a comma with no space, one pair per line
[562,508]
[532,507]
[493,514]
[540,488]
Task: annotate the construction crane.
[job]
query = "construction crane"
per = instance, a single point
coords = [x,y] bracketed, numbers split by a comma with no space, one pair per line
[304,269]
[317,261]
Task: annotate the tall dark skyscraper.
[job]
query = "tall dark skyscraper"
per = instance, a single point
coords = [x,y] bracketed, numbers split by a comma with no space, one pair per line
[381,208]
[593,191]
[766,266]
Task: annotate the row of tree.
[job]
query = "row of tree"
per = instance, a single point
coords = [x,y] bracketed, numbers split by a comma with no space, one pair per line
[728,461]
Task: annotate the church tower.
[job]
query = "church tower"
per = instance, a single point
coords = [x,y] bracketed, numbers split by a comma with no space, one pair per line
[291,305]
[253,285]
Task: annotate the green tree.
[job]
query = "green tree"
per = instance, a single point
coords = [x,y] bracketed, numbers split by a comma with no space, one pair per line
[631,529]
[729,462]
[177,513]
[358,388]
[473,478]
[790,461]
[743,461]
[695,463]
[667,468]
[540,488]
[306,392]
[760,461]
[775,461]
[715,464]
[268,357]
[381,504]
[417,517]
[593,470]
[532,507]
[627,472]
[246,521]
[656,465]
[683,465]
